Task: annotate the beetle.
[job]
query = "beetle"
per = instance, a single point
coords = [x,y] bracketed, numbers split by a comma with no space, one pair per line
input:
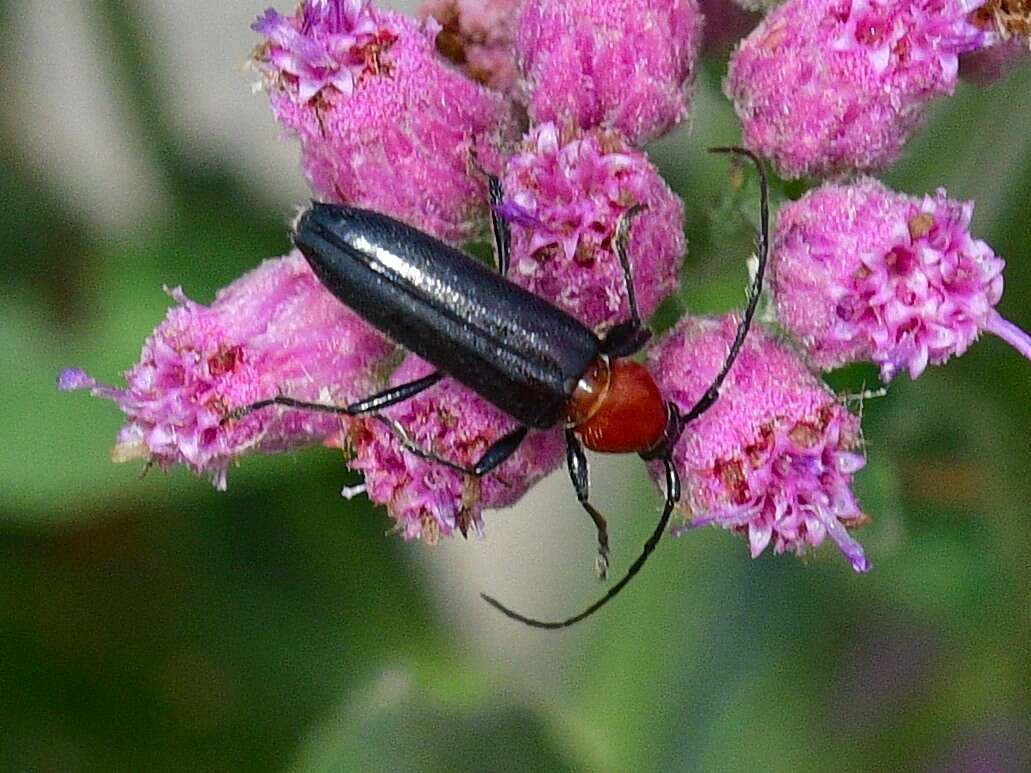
[518,351]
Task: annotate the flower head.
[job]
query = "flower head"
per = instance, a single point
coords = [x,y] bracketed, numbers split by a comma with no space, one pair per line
[863,273]
[477,36]
[773,458]
[565,194]
[326,44]
[827,86]
[427,499]
[384,122]
[620,64]
[274,330]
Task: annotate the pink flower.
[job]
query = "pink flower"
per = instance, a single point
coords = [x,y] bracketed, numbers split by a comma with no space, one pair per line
[383,121]
[427,499]
[274,330]
[326,44]
[863,273]
[565,194]
[773,458]
[827,86]
[477,36]
[620,64]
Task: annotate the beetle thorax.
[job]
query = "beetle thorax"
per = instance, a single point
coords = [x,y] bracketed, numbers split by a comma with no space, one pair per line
[617,408]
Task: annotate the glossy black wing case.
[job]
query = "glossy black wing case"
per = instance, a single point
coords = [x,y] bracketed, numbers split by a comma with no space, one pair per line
[515,349]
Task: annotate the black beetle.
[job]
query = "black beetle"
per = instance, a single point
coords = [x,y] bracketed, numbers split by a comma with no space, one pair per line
[518,351]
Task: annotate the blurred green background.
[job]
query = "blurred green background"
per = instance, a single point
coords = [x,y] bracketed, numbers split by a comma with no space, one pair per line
[156,624]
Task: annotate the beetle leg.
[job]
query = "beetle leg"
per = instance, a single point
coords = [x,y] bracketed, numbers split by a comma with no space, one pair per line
[374,402]
[498,225]
[630,336]
[672,497]
[495,455]
[500,451]
[625,339]
[620,244]
[394,395]
[576,460]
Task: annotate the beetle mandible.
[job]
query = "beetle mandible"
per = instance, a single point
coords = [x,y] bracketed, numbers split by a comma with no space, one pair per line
[518,351]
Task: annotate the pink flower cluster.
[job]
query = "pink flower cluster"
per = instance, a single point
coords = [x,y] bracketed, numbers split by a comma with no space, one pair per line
[620,64]
[773,458]
[273,330]
[827,86]
[385,121]
[863,273]
[409,118]
[427,499]
[370,100]
[859,272]
[565,197]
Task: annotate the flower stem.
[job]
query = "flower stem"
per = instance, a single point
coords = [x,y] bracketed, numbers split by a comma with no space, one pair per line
[1009,333]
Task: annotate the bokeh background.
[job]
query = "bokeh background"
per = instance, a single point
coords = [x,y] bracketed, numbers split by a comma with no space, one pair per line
[156,624]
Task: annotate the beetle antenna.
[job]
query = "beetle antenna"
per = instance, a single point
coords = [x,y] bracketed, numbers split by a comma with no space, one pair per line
[755,291]
[672,497]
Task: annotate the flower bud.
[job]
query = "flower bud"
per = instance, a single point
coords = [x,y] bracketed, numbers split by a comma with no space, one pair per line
[477,36]
[274,331]
[773,458]
[384,122]
[565,193]
[619,64]
[824,86]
